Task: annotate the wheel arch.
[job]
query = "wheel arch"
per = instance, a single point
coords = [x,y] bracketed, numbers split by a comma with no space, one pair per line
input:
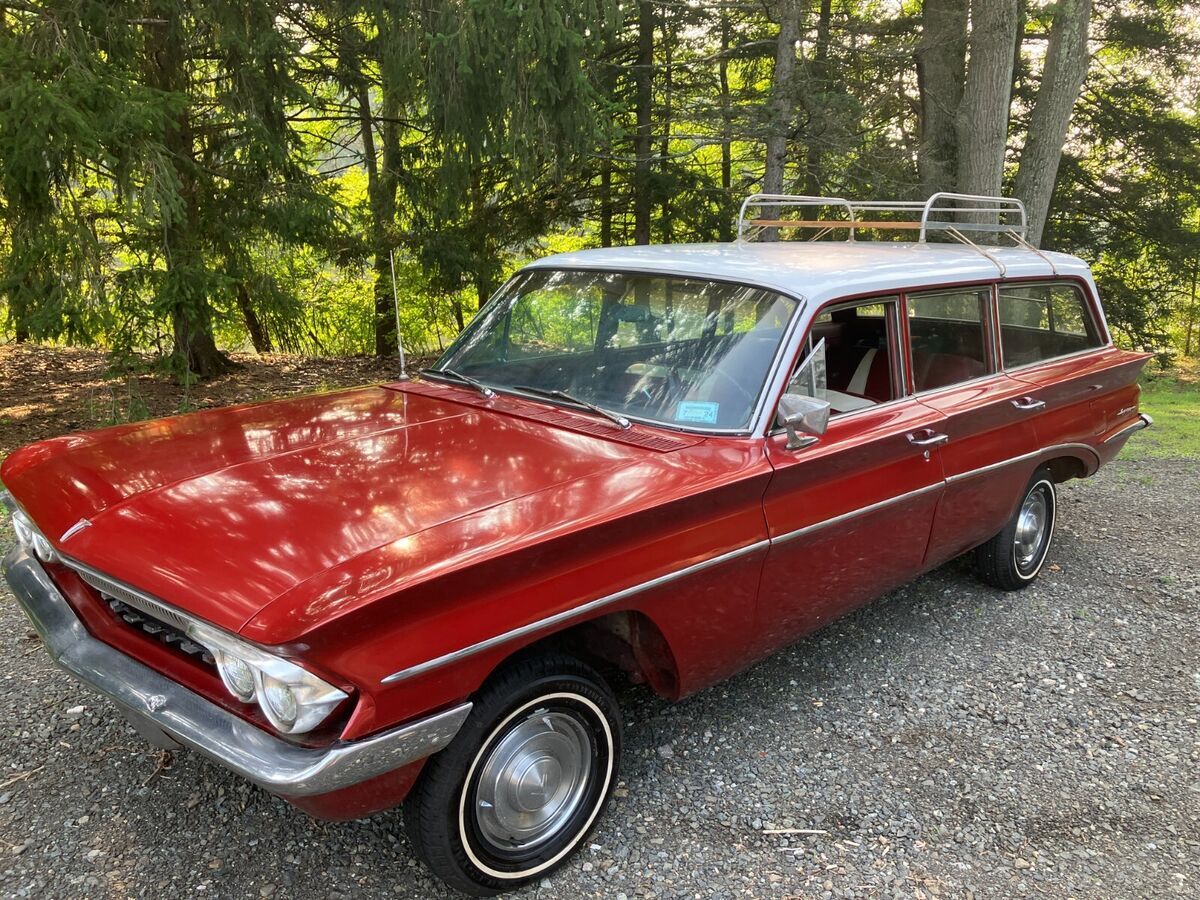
[1065,467]
[627,643]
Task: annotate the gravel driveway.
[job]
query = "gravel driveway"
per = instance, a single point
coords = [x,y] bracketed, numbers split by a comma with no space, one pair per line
[946,741]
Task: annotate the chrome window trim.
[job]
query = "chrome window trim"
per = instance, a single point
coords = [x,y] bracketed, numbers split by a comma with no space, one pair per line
[600,602]
[842,417]
[946,388]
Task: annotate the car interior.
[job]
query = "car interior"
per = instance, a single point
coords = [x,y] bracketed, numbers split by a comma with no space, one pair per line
[945,350]
[699,358]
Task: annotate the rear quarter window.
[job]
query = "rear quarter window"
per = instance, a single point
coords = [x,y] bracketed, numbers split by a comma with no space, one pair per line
[1044,321]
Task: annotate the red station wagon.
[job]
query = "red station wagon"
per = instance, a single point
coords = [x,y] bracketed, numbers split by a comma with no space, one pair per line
[665,462]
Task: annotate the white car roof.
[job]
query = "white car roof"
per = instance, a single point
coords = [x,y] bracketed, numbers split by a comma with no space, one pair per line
[824,270]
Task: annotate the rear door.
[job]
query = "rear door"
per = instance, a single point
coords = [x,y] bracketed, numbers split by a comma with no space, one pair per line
[987,423]
[1052,340]
[849,515]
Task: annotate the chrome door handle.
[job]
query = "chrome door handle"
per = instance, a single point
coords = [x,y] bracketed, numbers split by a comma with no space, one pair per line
[1028,404]
[928,439]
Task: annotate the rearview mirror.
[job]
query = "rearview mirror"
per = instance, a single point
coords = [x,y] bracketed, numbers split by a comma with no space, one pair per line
[801,413]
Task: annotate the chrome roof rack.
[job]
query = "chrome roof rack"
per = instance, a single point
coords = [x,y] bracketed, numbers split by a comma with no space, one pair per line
[954,214]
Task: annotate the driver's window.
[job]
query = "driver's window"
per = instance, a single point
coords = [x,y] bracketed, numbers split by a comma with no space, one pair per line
[851,350]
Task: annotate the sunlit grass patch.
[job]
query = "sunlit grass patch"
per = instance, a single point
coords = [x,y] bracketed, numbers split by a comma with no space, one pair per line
[1173,399]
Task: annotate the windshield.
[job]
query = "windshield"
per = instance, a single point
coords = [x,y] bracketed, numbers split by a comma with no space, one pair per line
[683,352]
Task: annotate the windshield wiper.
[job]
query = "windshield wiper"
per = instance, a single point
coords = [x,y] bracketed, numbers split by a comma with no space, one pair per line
[616,418]
[465,379]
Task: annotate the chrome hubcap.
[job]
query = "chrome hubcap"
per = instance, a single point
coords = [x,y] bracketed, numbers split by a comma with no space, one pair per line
[1031,527]
[533,781]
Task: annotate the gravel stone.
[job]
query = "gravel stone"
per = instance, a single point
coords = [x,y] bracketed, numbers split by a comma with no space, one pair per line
[947,740]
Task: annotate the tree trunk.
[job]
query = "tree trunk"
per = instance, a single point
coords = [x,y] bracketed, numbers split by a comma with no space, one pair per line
[821,81]
[644,98]
[195,346]
[1191,323]
[1066,66]
[982,121]
[606,200]
[726,226]
[381,195]
[781,102]
[941,67]
[258,335]
[183,291]
[664,153]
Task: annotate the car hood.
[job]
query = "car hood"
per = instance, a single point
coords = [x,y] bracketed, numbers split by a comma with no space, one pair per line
[222,511]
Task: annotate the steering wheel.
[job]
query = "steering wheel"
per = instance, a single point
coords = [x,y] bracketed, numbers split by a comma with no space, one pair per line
[737,385]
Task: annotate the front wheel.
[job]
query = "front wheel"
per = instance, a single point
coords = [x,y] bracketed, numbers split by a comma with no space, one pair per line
[1012,559]
[523,782]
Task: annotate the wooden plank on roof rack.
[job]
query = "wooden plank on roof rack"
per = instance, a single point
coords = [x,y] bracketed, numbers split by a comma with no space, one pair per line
[829,223]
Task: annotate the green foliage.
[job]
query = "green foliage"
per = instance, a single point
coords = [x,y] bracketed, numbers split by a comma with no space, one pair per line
[1172,397]
[188,175]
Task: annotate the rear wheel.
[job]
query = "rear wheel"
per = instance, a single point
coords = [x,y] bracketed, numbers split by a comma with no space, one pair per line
[1013,558]
[524,781]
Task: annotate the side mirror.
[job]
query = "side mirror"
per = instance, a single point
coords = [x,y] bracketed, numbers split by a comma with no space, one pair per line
[804,417]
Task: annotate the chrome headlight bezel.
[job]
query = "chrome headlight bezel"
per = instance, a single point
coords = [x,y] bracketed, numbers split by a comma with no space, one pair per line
[28,535]
[315,698]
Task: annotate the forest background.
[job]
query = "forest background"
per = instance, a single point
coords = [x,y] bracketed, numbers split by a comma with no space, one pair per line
[182,180]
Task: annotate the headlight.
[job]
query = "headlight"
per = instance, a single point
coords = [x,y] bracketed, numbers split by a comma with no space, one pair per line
[293,699]
[236,674]
[279,702]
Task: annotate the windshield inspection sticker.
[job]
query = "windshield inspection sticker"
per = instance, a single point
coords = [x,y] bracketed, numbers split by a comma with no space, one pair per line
[701,411]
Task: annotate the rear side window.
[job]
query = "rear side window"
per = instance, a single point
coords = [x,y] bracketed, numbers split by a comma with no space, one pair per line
[1044,321]
[949,337]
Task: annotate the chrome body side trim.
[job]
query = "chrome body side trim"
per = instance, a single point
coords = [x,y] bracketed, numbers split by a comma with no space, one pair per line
[568,614]
[861,511]
[600,602]
[1013,460]
[156,704]
[1142,421]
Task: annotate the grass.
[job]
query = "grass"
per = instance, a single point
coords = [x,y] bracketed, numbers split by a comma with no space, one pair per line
[1172,397]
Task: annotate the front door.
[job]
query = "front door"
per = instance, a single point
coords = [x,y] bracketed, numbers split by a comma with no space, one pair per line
[849,515]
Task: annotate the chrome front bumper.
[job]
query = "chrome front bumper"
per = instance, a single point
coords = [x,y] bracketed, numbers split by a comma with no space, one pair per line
[154,702]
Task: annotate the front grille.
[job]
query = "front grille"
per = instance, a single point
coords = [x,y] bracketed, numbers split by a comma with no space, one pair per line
[144,613]
[158,629]
[143,604]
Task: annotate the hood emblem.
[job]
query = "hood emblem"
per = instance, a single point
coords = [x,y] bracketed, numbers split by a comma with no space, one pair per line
[75,529]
